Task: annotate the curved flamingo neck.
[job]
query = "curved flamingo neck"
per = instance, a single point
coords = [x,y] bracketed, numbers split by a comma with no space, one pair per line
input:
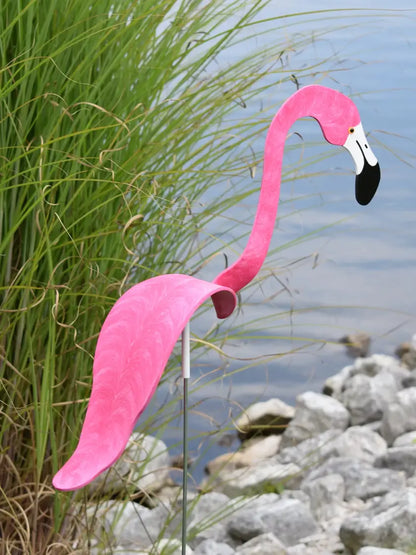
[321,103]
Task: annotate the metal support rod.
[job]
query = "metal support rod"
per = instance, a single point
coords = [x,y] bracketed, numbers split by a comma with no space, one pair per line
[186,371]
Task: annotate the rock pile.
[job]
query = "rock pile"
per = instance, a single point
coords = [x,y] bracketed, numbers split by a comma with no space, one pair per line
[338,477]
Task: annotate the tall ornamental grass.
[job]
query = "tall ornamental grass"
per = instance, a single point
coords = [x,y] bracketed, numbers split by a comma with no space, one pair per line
[110,130]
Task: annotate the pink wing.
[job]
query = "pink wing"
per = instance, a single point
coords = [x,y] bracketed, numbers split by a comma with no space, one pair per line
[133,348]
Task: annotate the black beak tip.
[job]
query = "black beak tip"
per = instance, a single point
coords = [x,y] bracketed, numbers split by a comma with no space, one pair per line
[366,183]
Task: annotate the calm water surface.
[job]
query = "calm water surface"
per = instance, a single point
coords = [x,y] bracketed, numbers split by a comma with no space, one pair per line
[356,275]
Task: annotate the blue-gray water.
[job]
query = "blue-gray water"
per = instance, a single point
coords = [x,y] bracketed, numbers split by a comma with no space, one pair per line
[356,275]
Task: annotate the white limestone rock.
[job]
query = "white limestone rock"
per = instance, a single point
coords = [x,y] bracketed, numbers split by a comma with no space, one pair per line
[143,466]
[409,438]
[399,416]
[366,398]
[360,441]
[289,520]
[310,452]
[318,544]
[389,522]
[326,495]
[361,479]
[129,525]
[399,458]
[209,515]
[264,477]
[373,365]
[371,550]
[315,413]
[168,545]
[211,547]
[334,385]
[265,544]
[253,451]
[265,418]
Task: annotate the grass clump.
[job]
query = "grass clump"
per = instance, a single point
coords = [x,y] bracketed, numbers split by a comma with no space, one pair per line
[111,127]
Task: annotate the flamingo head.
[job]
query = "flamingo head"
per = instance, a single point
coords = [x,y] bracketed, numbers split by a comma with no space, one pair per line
[367,168]
[341,125]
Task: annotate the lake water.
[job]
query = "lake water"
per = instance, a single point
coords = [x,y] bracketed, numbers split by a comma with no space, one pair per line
[356,275]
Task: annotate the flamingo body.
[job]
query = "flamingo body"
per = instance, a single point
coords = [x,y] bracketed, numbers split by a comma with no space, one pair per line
[141,329]
[132,351]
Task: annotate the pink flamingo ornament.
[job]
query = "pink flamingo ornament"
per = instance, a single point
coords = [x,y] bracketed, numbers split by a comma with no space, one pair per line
[141,329]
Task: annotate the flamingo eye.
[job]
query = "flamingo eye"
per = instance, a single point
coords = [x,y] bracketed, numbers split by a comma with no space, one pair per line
[351,130]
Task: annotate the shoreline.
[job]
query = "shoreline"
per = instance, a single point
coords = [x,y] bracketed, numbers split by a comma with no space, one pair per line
[334,474]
